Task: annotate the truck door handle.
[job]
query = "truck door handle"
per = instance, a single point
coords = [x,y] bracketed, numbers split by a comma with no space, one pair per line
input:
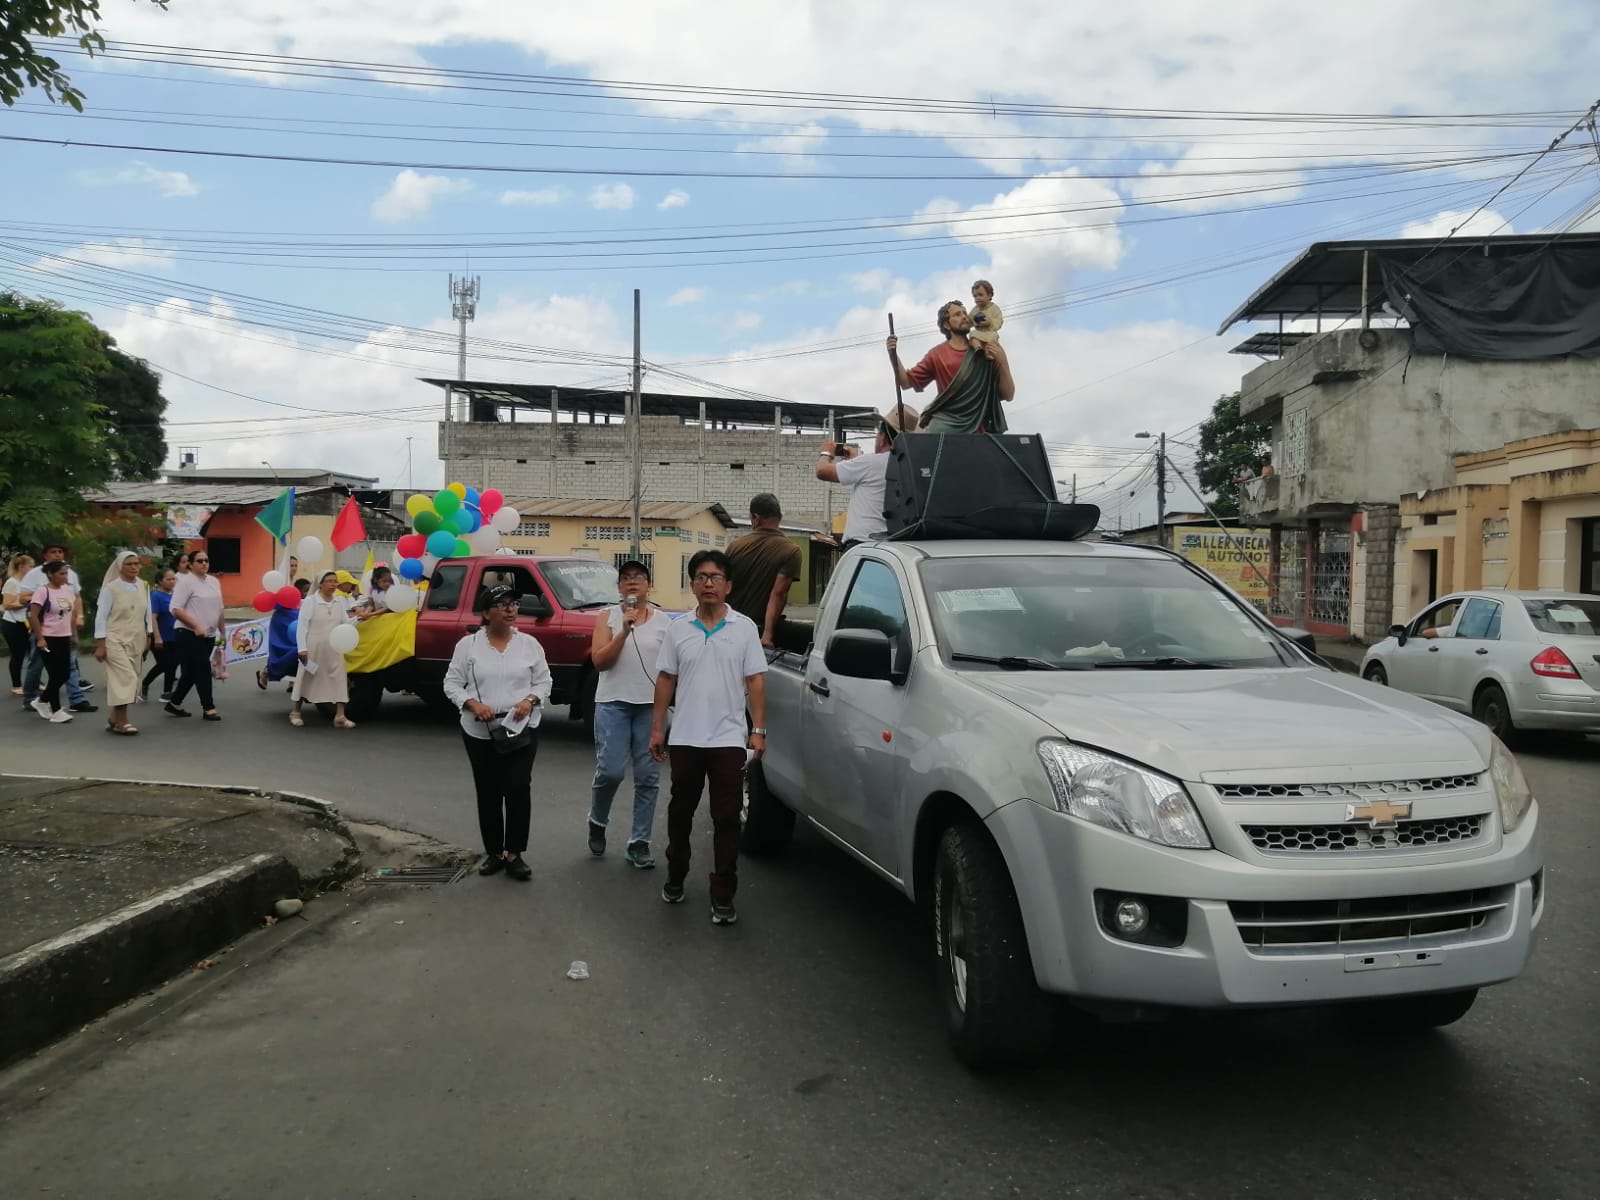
[820,687]
[1481,650]
[1433,649]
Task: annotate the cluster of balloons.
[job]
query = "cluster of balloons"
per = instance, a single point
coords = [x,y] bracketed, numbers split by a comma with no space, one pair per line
[453,523]
[277,589]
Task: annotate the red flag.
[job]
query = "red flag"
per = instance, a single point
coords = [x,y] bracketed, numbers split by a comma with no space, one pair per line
[347,527]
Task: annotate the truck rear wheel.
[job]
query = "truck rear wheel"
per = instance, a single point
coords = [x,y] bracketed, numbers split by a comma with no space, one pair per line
[582,706]
[768,821]
[996,1013]
[1412,1014]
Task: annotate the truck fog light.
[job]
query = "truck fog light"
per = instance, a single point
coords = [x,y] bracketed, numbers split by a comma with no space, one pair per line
[1131,916]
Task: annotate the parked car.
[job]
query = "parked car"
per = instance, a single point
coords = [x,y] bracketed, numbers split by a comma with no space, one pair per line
[1106,777]
[1514,660]
[561,599]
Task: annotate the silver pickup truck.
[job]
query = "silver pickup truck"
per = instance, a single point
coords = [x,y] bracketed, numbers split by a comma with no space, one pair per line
[1107,778]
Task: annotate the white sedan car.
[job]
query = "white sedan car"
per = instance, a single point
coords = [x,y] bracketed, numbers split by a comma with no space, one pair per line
[1514,660]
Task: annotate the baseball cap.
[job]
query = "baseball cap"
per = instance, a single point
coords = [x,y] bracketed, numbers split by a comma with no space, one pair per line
[633,564]
[892,418]
[499,594]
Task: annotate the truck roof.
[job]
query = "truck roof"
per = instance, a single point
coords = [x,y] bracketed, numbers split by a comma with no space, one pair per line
[1014,547]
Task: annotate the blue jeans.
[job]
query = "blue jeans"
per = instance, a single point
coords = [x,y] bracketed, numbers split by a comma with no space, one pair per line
[33,676]
[621,732]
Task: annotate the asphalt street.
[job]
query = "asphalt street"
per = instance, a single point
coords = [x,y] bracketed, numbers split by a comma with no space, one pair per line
[426,1042]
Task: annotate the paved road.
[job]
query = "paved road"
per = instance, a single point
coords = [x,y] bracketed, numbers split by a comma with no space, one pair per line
[797,1054]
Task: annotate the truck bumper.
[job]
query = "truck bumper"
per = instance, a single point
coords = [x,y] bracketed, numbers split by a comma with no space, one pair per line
[1256,935]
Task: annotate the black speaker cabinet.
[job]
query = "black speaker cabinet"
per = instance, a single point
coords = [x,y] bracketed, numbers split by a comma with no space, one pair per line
[958,485]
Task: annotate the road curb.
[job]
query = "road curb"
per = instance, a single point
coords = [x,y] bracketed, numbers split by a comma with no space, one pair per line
[66,981]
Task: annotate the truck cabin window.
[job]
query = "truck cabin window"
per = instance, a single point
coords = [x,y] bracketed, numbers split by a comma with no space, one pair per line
[444,592]
[1083,612]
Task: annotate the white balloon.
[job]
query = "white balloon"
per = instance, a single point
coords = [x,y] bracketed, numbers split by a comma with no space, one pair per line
[401,598]
[429,562]
[309,550]
[272,581]
[344,638]
[484,541]
[505,520]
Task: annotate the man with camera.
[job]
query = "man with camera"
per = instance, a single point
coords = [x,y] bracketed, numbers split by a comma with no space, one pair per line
[864,474]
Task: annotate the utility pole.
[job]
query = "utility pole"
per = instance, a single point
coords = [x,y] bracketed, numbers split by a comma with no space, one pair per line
[1161,483]
[1074,487]
[636,445]
[408,464]
[464,295]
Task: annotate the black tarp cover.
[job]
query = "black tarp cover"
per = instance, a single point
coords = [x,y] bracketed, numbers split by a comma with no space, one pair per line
[1513,305]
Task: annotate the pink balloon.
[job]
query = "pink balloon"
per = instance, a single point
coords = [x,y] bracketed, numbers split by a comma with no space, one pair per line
[288,596]
[490,502]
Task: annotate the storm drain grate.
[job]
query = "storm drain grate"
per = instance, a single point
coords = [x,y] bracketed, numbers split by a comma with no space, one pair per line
[417,876]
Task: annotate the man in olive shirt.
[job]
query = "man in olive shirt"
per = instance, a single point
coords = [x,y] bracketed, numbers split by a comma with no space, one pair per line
[763,564]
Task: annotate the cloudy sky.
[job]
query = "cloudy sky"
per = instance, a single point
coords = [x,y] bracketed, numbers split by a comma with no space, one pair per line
[270,214]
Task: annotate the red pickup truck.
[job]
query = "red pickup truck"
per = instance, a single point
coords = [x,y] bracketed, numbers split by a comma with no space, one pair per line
[561,600]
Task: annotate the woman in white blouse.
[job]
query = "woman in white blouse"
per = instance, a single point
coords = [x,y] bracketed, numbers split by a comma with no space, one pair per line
[499,679]
[322,678]
[123,627]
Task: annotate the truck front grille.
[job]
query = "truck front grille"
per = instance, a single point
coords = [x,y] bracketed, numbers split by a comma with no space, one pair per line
[1388,787]
[1403,835]
[1282,925]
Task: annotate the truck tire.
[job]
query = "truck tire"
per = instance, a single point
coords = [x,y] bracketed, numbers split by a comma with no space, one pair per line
[996,1014]
[582,706]
[366,693]
[1411,1014]
[768,821]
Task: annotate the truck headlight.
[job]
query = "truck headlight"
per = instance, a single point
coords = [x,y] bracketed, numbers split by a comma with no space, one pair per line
[1122,795]
[1510,786]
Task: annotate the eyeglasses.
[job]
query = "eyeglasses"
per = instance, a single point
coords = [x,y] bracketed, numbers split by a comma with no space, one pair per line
[195,560]
[709,578]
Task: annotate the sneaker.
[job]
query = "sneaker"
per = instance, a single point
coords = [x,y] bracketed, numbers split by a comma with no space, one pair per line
[164,697]
[492,864]
[88,687]
[597,839]
[722,913]
[85,707]
[639,856]
[42,707]
[518,869]
[60,717]
[672,893]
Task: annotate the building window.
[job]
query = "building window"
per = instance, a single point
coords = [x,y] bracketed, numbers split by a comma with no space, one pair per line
[735,466]
[606,533]
[703,538]
[533,529]
[1294,443]
[224,555]
[1330,578]
[648,559]
[1288,582]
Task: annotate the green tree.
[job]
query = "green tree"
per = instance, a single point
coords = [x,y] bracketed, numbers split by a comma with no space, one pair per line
[130,394]
[1230,447]
[23,65]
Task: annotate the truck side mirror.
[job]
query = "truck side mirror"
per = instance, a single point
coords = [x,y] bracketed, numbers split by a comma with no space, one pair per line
[860,654]
[534,605]
[1303,638]
[1398,633]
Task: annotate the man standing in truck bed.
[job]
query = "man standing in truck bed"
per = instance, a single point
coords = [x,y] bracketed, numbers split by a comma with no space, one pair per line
[765,563]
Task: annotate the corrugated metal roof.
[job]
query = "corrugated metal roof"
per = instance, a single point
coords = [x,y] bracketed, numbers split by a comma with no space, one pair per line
[618,509]
[190,493]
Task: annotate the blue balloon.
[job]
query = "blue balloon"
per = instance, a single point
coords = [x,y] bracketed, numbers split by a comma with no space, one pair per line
[472,497]
[410,568]
[460,521]
[477,519]
[442,543]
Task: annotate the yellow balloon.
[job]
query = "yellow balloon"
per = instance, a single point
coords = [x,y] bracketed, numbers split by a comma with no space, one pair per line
[417,503]
[459,489]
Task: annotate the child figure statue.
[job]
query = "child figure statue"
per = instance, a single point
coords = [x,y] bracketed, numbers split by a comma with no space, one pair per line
[986,316]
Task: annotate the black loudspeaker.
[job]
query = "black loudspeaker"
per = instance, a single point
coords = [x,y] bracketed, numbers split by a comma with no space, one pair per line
[966,485]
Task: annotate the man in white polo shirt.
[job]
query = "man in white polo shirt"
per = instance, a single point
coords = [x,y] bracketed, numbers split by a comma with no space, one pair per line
[865,475]
[712,664]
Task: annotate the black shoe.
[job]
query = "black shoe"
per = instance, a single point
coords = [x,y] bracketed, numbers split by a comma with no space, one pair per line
[723,913]
[639,856]
[672,893]
[597,839]
[492,864]
[84,706]
[172,710]
[88,687]
[518,869]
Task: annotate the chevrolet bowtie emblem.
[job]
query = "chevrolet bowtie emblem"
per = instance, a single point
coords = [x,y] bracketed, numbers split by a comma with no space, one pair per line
[1380,814]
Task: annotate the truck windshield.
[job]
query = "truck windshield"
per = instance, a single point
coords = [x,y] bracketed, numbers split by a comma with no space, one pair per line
[1093,611]
[581,582]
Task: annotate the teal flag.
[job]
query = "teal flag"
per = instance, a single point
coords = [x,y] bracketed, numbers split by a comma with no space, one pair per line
[277,518]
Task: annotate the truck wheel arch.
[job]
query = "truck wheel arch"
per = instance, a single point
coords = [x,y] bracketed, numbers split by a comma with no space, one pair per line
[938,812]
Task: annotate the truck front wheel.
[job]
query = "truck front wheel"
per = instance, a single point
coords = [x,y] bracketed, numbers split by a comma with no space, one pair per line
[996,1014]
[768,821]
[366,693]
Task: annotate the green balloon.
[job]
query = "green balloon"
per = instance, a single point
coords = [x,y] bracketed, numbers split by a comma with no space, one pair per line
[427,521]
[462,549]
[446,502]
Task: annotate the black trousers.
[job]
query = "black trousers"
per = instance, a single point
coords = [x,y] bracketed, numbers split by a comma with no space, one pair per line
[57,666]
[194,667]
[166,667]
[504,783]
[18,639]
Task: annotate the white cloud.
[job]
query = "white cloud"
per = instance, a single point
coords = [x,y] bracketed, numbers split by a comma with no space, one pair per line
[796,148]
[686,295]
[412,194]
[676,198]
[871,283]
[612,196]
[131,253]
[745,321]
[1463,223]
[534,197]
[172,184]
